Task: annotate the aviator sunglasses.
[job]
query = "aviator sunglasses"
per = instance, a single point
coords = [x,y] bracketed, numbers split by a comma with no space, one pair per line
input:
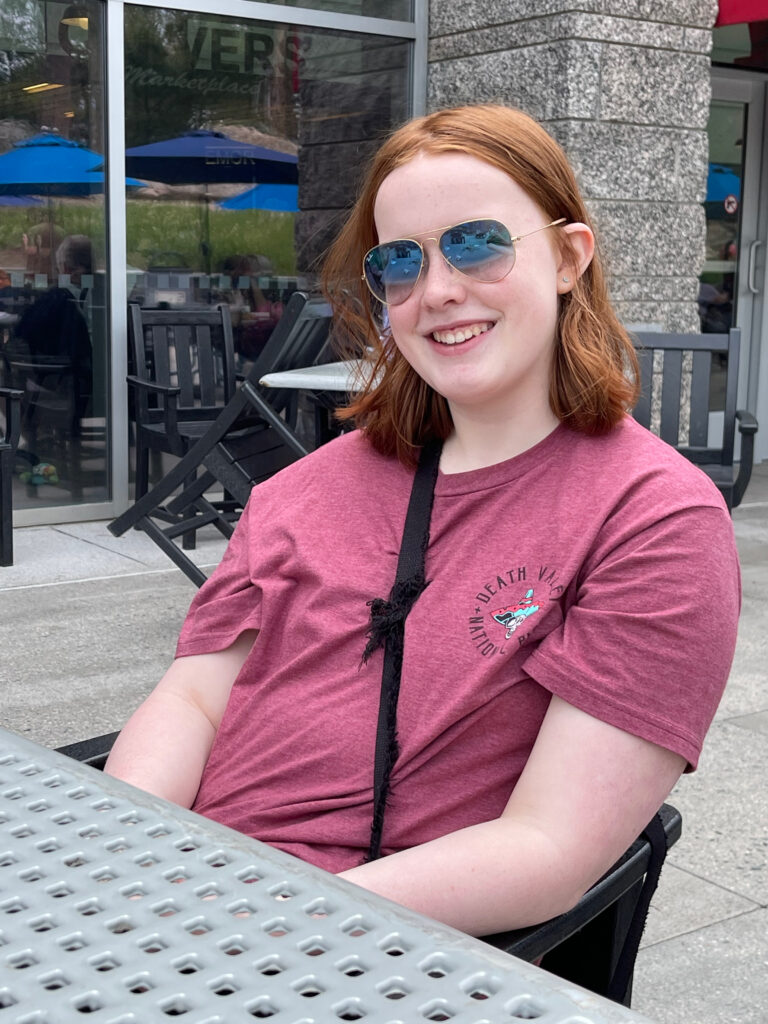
[481,249]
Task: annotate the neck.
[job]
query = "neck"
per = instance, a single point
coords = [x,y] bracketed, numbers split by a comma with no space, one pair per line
[479,440]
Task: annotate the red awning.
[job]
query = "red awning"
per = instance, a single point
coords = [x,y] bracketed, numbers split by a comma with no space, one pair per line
[733,12]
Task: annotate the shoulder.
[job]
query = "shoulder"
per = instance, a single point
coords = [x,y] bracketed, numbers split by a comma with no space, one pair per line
[628,491]
[348,453]
[631,466]
[45,304]
[348,468]
[660,517]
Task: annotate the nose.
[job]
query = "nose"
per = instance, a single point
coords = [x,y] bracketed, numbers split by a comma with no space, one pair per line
[440,282]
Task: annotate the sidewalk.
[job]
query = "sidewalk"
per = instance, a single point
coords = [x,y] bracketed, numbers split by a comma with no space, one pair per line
[89,623]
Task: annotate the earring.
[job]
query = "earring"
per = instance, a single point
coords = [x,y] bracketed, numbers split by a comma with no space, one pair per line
[565,280]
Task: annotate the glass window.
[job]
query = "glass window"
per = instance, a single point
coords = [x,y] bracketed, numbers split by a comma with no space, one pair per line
[718,283]
[741,46]
[718,293]
[53,338]
[249,138]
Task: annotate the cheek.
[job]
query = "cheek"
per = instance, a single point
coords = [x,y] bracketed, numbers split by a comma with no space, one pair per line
[531,297]
[402,324]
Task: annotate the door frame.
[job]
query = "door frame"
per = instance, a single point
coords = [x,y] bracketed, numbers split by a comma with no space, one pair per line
[751,88]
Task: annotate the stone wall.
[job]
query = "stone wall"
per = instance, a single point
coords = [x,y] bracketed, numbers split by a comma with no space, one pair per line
[624,86]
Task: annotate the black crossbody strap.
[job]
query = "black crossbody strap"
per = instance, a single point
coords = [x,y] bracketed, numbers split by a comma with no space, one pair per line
[388,629]
[622,975]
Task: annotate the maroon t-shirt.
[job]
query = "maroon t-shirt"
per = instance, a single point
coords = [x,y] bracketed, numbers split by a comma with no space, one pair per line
[600,569]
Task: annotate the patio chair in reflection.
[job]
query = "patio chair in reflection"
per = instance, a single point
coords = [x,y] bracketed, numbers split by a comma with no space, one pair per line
[183,363]
[252,437]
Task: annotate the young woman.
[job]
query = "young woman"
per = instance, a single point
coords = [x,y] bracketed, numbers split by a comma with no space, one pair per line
[562,666]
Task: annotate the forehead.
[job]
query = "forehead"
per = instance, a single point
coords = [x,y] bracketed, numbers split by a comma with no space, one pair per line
[435,190]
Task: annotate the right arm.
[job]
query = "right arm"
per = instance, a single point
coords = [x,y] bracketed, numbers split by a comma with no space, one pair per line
[165,744]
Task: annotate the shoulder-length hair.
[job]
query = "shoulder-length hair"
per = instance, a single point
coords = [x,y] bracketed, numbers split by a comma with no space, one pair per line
[594,369]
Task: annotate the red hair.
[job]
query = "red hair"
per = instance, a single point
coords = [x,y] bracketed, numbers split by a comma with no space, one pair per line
[594,369]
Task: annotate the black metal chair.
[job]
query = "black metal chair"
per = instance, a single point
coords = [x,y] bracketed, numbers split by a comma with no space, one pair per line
[594,944]
[251,438]
[9,440]
[183,374]
[675,399]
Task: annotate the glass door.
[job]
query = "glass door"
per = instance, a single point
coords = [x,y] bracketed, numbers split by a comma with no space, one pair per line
[53,336]
[732,283]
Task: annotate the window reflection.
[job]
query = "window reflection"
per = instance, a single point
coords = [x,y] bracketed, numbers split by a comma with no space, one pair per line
[250,137]
[717,289]
[53,339]
[718,282]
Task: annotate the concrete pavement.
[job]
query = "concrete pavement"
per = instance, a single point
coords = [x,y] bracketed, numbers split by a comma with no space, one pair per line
[88,624]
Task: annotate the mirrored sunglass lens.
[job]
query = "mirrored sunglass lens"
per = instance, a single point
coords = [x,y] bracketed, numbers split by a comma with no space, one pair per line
[392,270]
[482,249]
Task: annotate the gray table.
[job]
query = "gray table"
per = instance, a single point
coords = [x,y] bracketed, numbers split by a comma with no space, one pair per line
[119,908]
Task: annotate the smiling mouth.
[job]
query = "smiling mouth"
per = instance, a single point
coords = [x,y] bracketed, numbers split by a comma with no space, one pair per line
[461,334]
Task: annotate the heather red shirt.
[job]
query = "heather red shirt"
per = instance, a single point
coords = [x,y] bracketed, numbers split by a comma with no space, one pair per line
[600,569]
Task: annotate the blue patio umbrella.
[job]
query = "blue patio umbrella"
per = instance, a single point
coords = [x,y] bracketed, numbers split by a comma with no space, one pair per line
[265,197]
[50,165]
[209,158]
[722,181]
[20,201]
[206,157]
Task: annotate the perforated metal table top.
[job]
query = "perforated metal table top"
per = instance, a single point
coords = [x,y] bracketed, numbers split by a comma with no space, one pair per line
[119,908]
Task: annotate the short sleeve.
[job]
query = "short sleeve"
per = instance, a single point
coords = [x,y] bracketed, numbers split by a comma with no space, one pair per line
[228,603]
[648,642]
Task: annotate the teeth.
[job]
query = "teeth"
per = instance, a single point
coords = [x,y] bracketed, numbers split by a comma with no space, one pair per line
[462,334]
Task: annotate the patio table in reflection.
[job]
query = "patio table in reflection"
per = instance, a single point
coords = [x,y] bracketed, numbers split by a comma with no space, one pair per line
[328,384]
[126,908]
[325,377]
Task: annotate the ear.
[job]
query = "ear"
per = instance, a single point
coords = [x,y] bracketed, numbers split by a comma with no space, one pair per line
[574,263]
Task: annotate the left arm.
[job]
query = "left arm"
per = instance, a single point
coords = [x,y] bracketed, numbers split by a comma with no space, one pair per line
[586,793]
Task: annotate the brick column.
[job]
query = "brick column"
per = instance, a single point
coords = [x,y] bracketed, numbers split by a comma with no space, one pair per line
[624,86]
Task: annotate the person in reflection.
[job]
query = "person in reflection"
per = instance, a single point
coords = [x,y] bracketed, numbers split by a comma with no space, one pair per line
[254,315]
[50,355]
[563,664]
[39,244]
[7,294]
[716,303]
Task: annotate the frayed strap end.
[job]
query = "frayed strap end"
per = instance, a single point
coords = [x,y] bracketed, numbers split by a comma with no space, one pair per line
[387,616]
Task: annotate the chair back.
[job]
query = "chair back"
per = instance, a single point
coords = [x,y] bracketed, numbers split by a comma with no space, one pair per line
[192,349]
[298,340]
[672,397]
